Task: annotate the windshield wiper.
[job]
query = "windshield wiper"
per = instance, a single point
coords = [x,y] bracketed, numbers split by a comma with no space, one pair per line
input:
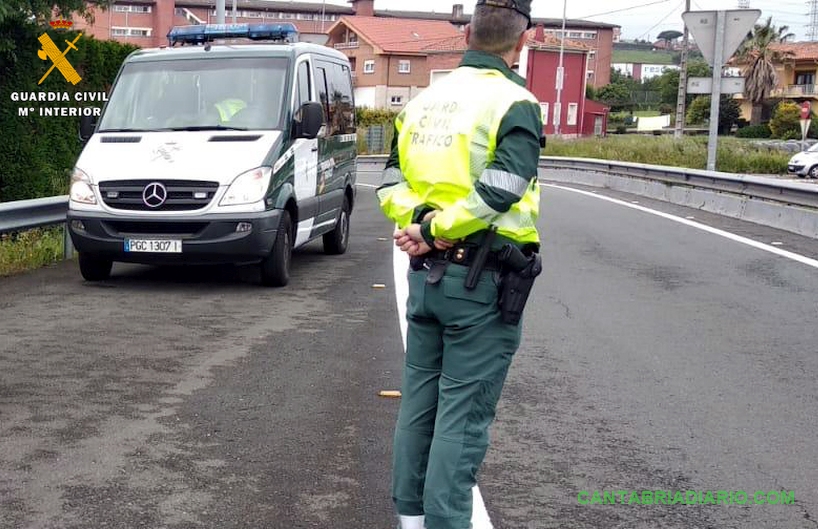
[127,130]
[193,128]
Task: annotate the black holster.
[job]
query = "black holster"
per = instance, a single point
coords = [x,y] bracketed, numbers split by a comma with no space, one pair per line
[517,280]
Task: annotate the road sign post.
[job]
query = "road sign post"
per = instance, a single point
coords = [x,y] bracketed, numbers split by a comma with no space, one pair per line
[806,112]
[718,34]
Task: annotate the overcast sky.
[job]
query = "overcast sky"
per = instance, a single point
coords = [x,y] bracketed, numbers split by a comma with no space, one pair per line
[640,19]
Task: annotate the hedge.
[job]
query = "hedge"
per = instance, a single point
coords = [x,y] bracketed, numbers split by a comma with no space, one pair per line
[37,152]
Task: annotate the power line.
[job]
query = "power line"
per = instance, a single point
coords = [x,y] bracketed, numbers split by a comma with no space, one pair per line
[647,33]
[625,9]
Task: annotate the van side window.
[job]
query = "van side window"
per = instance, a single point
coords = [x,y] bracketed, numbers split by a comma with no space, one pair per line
[342,92]
[323,89]
[302,94]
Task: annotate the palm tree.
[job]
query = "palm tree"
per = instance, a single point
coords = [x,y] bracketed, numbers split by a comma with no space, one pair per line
[759,56]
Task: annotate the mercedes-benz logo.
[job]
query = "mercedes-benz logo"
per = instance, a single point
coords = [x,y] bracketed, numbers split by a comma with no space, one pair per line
[154,195]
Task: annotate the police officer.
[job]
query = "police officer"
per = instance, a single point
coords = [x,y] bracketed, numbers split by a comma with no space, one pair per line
[462,172]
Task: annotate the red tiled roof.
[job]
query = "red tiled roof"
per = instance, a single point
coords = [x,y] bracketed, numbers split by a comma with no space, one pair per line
[394,35]
[457,43]
[551,42]
[797,51]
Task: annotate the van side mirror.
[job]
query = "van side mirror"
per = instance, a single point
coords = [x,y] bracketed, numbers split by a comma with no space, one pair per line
[312,119]
[87,126]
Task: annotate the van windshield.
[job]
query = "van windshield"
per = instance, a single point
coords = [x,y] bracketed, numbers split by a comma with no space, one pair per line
[198,94]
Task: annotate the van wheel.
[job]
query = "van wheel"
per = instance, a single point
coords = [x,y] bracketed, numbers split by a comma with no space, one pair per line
[94,268]
[336,241]
[275,268]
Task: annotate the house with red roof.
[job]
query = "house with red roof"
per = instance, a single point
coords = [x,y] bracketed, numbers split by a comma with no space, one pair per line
[539,64]
[797,71]
[392,60]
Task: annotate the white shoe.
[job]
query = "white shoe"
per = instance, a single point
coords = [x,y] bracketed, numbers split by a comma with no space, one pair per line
[411,522]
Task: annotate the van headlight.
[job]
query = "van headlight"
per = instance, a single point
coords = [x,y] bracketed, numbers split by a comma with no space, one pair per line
[248,188]
[81,190]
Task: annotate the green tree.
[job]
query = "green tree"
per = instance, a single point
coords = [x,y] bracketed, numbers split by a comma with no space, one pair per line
[669,36]
[615,95]
[668,83]
[786,121]
[729,112]
[16,13]
[758,55]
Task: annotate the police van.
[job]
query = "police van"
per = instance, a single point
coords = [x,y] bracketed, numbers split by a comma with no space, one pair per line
[219,152]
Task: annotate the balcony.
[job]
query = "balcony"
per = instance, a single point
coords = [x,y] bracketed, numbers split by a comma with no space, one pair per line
[346,45]
[796,90]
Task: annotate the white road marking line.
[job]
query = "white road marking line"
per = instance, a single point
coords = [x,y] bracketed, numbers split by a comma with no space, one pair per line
[726,234]
[400,261]
[370,186]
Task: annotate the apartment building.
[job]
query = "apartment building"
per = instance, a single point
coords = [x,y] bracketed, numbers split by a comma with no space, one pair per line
[146,23]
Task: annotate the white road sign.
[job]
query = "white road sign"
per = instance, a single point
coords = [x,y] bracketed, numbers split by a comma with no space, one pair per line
[704,85]
[702,25]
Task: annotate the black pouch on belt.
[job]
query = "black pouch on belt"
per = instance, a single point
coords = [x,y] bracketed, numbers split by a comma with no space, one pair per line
[517,282]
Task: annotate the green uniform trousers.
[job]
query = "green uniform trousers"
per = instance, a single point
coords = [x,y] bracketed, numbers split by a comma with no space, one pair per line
[457,357]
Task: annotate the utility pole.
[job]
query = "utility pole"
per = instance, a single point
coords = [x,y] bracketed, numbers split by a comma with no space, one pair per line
[219,11]
[813,20]
[235,13]
[560,74]
[681,98]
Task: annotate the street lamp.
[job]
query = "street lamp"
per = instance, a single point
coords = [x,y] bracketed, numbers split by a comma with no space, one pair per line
[560,74]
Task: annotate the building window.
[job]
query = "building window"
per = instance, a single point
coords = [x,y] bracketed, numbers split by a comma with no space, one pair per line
[369,66]
[589,74]
[589,35]
[397,100]
[253,14]
[132,9]
[130,32]
[404,66]
[574,34]
[572,114]
[544,109]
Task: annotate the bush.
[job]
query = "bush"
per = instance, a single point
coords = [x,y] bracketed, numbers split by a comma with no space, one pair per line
[365,116]
[38,168]
[754,131]
[786,121]
[665,108]
[729,112]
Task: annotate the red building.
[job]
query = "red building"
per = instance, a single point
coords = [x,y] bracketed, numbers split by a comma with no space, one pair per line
[540,63]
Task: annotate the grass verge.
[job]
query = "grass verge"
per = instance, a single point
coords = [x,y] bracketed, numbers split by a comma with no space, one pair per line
[733,156]
[30,249]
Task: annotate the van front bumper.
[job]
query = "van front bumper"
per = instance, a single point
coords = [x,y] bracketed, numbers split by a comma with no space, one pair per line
[205,239]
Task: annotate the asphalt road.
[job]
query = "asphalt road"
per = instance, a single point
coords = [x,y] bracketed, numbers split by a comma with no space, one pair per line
[656,356]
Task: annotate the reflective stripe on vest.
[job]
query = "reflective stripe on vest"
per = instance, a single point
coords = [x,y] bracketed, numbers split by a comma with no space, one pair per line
[448,137]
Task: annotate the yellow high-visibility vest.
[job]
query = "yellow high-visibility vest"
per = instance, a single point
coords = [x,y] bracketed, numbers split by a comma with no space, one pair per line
[447,139]
[229,107]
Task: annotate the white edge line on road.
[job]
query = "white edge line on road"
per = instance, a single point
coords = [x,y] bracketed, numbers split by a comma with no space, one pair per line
[726,234]
[370,186]
[480,516]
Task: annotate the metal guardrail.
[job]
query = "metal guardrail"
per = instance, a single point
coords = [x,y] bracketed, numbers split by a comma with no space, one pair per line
[789,193]
[26,214]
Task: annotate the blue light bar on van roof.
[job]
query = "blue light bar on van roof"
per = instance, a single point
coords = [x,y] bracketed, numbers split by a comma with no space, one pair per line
[201,33]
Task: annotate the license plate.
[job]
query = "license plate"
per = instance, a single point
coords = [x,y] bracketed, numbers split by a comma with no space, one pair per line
[153,245]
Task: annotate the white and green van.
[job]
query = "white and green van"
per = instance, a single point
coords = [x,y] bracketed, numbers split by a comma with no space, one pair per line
[218,153]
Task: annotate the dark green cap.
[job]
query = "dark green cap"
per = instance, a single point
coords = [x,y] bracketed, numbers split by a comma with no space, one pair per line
[521,6]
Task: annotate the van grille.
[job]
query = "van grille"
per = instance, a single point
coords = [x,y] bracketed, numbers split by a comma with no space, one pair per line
[182,195]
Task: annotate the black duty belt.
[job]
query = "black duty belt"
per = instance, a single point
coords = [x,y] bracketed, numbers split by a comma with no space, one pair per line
[464,254]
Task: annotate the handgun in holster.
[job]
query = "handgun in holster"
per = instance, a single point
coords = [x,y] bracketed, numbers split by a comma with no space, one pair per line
[517,280]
